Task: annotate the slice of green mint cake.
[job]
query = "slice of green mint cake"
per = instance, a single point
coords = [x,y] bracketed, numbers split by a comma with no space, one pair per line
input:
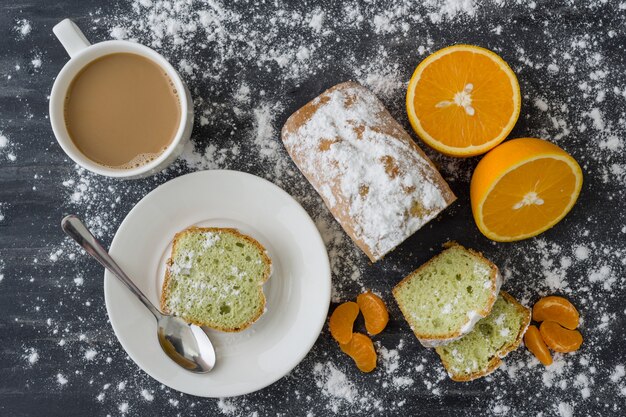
[443,299]
[215,278]
[480,352]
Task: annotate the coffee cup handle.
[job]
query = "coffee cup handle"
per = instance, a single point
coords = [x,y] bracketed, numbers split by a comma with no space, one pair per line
[70,37]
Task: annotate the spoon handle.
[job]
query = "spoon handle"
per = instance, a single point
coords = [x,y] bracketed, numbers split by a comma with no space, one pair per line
[75,229]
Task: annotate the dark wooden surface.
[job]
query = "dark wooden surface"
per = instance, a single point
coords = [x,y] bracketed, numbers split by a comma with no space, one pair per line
[45,310]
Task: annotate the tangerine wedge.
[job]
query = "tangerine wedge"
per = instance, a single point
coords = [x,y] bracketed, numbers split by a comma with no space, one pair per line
[463,100]
[342,321]
[374,311]
[558,309]
[361,349]
[534,342]
[522,188]
[560,339]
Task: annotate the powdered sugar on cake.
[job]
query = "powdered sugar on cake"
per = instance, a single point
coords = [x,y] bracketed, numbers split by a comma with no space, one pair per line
[210,239]
[384,185]
[473,316]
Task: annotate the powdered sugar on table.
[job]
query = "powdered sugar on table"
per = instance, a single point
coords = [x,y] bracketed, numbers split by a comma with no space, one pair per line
[249,65]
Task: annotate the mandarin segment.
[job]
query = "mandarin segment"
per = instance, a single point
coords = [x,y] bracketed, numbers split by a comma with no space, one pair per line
[374,311]
[560,339]
[361,349]
[522,188]
[558,309]
[342,320]
[463,100]
[534,342]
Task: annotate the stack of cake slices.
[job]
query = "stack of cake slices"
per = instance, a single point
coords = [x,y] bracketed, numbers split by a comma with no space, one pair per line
[454,304]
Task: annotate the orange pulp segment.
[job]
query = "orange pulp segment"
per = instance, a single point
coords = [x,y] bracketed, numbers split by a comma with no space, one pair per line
[534,342]
[361,349]
[560,339]
[463,100]
[342,320]
[374,311]
[522,188]
[558,309]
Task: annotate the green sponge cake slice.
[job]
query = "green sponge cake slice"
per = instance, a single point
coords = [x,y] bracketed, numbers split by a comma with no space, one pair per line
[479,352]
[444,298]
[215,278]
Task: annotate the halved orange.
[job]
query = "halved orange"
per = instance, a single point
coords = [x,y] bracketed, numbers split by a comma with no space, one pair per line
[522,188]
[463,100]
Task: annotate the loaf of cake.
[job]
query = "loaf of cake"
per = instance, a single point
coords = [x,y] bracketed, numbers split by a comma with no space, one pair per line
[215,278]
[374,179]
[443,299]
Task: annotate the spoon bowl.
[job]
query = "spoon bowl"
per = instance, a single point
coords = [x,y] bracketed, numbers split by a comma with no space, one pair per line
[186,344]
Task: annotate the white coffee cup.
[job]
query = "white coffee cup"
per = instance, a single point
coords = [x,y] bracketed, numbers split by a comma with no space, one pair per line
[82,53]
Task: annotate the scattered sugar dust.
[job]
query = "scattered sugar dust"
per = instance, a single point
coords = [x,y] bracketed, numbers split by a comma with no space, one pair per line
[23,28]
[581,252]
[90,354]
[335,384]
[226,407]
[7,148]
[147,395]
[247,76]
[31,356]
[36,62]
[118,33]
[61,379]
[4,141]
[565,409]
[618,373]
[123,407]
[449,9]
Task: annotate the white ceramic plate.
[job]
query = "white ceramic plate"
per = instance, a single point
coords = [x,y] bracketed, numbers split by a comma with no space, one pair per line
[298,292]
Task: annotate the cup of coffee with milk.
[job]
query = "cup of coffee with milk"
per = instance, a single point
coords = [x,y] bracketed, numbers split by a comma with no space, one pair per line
[118,108]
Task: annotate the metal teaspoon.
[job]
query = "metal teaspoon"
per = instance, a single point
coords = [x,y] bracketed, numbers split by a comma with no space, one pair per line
[186,344]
